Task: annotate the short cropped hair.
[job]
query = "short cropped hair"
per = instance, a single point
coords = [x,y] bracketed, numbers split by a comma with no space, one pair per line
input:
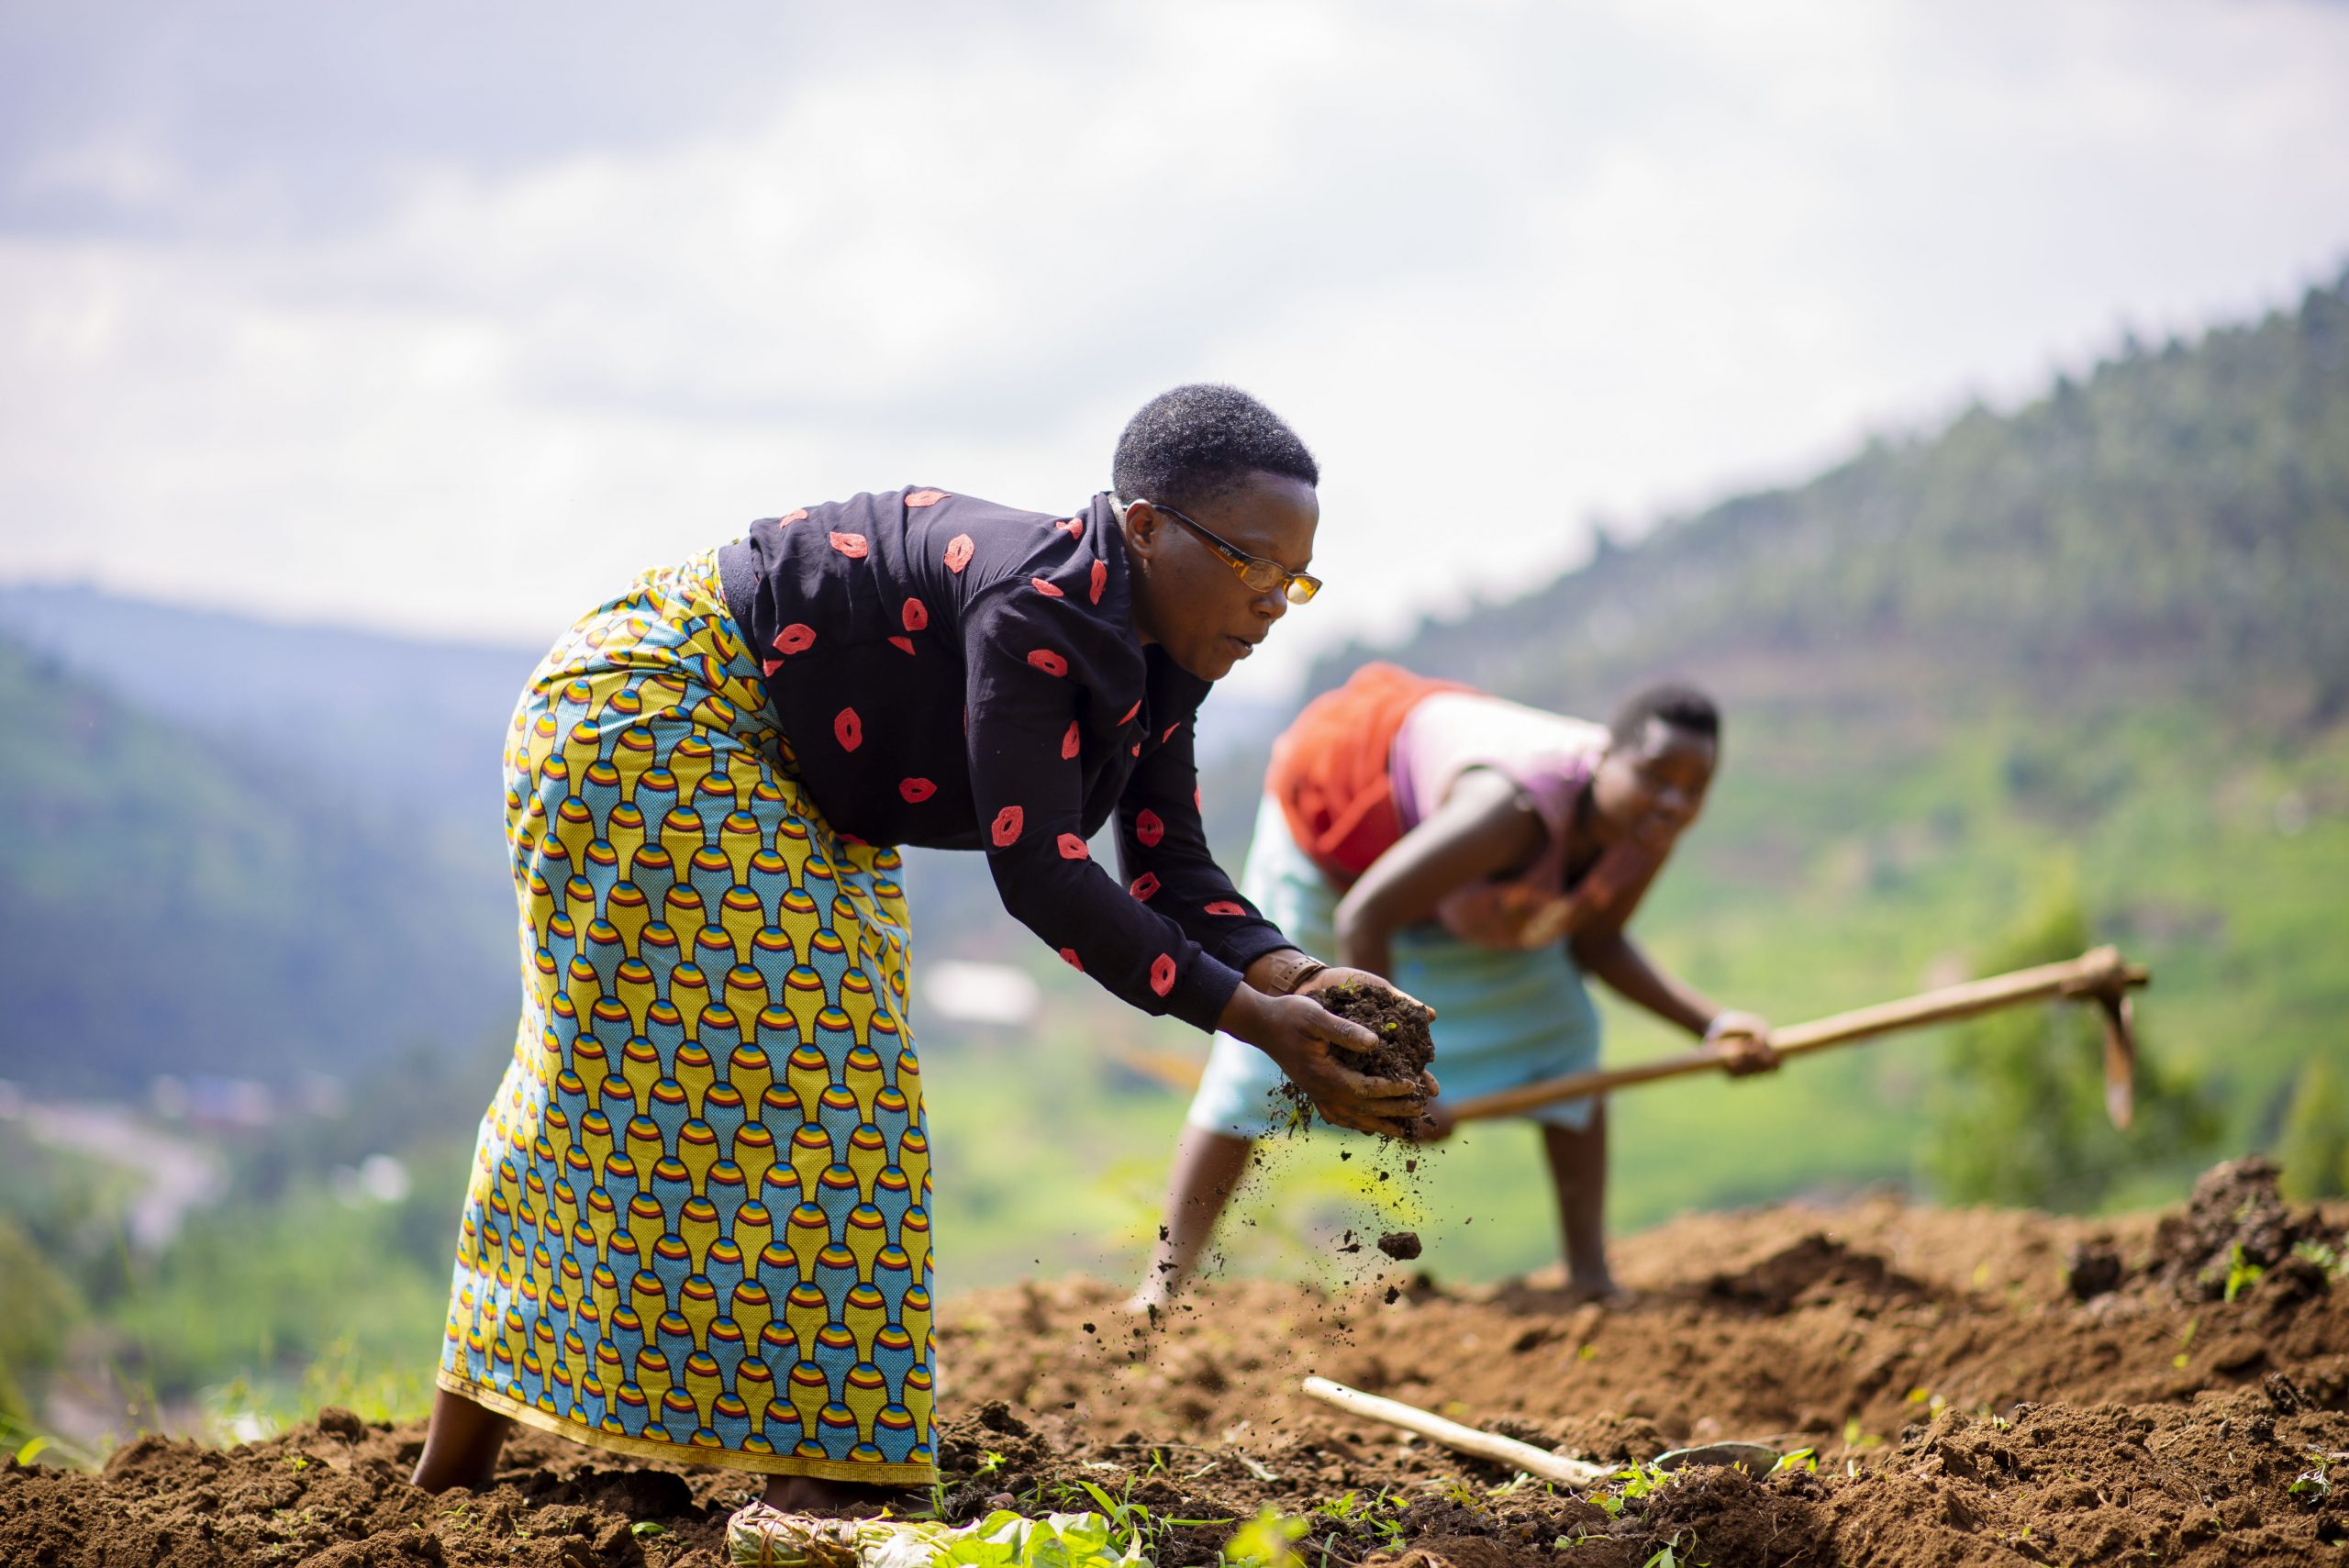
[1197,443]
[1680,706]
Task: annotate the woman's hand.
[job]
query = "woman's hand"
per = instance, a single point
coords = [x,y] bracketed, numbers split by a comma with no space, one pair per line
[1744,1041]
[1300,1034]
[1337,974]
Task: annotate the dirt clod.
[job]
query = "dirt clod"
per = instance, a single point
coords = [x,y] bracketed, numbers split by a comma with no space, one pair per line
[1405,1045]
[1400,1245]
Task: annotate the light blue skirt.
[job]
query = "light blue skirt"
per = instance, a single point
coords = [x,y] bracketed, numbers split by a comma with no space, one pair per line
[1503,1018]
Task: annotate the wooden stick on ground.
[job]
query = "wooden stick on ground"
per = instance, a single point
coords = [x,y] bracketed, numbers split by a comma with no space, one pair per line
[2099,973]
[1533,1460]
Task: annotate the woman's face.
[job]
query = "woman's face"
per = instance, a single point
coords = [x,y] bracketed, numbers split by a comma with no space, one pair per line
[1651,791]
[1188,599]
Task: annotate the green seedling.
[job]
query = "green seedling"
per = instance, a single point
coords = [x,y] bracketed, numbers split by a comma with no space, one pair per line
[2313,1486]
[2186,1342]
[2241,1274]
[2327,1258]
[1268,1541]
[1667,1555]
[644,1530]
[1806,1459]
[1638,1481]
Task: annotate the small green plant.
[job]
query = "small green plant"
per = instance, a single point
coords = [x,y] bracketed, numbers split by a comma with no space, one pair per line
[1667,1555]
[1460,1495]
[2186,1342]
[2313,1486]
[1268,1541]
[1638,1481]
[1805,1458]
[2241,1274]
[990,1463]
[2327,1258]
[644,1530]
[1378,1515]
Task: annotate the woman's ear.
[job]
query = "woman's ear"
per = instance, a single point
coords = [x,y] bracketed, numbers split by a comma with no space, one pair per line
[1140,524]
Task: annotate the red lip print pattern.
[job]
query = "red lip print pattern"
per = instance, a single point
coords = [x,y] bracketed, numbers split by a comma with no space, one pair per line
[902,644]
[915,791]
[1226,906]
[1145,885]
[925,498]
[1075,526]
[1073,848]
[796,638]
[915,615]
[851,545]
[1068,956]
[1005,828]
[1131,711]
[790,518]
[958,552]
[1169,734]
[1069,742]
[1149,830]
[1101,579]
[1050,662]
[1045,588]
[1162,974]
[848,730]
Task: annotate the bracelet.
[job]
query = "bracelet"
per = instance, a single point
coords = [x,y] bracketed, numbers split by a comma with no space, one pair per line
[1313,966]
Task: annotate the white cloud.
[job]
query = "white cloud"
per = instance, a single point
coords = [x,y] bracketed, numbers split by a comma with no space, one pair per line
[1503,265]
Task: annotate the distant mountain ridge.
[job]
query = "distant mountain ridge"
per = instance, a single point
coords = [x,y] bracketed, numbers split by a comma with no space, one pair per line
[174,903]
[412,724]
[2178,518]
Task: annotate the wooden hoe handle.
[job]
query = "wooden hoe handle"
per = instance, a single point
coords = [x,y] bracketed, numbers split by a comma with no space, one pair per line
[2100,974]
[1535,1462]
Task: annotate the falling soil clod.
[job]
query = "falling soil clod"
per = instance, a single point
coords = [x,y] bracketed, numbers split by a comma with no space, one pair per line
[1400,1245]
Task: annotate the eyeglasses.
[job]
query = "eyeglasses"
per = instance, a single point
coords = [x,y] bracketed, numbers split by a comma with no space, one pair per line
[1260,574]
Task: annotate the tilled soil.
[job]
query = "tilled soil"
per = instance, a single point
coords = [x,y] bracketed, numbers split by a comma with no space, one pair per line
[1962,1404]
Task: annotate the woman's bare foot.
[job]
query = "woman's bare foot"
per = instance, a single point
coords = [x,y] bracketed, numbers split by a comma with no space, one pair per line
[461,1445]
[1601,1291]
[812,1495]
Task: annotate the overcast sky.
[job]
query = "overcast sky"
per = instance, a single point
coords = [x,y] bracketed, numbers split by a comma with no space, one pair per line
[451,316]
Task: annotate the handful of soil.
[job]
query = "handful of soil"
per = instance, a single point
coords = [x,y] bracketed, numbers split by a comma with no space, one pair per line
[1405,1046]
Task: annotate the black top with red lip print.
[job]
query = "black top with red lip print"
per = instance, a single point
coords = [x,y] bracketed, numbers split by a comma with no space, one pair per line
[958,674]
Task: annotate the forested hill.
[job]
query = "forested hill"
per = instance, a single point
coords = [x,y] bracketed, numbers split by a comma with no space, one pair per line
[178,902]
[2176,521]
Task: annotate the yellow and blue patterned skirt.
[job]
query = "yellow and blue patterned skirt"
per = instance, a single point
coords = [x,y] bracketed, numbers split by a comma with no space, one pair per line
[699,1225]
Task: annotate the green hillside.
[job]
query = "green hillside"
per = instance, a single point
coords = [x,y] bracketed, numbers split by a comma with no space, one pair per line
[176,906]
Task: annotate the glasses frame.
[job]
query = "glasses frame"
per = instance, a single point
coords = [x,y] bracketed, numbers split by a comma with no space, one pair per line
[1260,574]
